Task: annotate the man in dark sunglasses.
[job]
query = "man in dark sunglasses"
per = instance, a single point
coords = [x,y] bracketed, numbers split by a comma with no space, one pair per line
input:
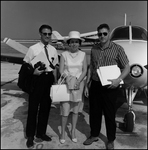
[42,78]
[102,99]
[103,35]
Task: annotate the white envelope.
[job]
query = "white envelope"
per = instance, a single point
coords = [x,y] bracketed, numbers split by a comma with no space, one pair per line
[40,57]
[108,72]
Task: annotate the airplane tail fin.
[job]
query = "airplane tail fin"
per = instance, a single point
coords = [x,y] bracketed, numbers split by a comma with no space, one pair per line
[57,36]
[125,18]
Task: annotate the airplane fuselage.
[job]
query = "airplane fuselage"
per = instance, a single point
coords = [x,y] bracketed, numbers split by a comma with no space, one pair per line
[137,54]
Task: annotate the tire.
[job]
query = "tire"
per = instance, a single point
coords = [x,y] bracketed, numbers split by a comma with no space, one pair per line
[129,121]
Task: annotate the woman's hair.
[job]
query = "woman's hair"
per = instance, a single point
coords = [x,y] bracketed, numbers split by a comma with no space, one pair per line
[68,41]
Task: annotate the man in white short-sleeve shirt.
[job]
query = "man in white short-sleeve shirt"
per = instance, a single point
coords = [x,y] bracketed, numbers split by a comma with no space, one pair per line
[39,99]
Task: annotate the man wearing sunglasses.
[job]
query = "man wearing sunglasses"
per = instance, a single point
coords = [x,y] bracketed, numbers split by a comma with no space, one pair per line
[102,99]
[39,100]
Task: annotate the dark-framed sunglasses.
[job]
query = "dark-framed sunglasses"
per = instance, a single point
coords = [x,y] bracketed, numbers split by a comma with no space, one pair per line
[104,33]
[45,34]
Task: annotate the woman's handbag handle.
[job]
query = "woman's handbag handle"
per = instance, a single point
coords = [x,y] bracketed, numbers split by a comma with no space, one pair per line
[61,81]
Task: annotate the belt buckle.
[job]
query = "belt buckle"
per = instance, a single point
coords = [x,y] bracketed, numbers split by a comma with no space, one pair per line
[46,72]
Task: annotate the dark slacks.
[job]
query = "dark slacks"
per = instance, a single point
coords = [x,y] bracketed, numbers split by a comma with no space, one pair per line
[102,101]
[39,105]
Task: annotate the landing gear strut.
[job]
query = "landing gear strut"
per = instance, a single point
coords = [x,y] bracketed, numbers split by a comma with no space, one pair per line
[129,118]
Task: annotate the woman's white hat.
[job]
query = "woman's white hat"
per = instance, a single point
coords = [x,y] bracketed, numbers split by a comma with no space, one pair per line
[74,35]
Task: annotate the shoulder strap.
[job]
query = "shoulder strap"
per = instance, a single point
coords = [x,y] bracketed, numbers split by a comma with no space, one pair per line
[51,65]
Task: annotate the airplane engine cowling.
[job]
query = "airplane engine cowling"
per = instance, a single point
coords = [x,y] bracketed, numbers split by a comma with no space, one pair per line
[138,81]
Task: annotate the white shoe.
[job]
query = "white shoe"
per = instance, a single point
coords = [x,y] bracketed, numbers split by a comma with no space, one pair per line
[75,140]
[62,141]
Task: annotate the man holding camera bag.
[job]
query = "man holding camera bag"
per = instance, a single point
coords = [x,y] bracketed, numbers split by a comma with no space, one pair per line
[43,77]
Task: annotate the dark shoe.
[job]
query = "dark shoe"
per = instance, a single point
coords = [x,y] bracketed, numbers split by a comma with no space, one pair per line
[29,142]
[90,140]
[44,137]
[110,145]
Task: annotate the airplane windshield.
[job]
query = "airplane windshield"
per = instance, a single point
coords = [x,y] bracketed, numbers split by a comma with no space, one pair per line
[139,33]
[122,33]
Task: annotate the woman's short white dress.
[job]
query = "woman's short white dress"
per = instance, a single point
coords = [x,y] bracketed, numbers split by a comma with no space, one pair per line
[73,66]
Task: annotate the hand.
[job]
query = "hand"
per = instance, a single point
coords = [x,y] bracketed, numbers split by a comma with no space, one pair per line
[37,71]
[77,85]
[114,83]
[86,91]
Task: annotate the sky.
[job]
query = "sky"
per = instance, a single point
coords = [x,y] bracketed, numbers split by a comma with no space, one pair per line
[22,19]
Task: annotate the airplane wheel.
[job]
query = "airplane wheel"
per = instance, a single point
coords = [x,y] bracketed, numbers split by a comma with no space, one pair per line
[129,121]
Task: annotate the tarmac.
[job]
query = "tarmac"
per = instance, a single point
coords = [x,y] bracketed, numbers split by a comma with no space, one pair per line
[14,105]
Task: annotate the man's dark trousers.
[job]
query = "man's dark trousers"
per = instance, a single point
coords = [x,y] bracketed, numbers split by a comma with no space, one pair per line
[102,101]
[39,105]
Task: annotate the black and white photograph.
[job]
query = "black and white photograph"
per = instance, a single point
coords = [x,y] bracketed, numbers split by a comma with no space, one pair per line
[73,74]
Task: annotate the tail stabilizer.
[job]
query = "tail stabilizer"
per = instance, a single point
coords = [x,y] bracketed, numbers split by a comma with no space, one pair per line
[57,36]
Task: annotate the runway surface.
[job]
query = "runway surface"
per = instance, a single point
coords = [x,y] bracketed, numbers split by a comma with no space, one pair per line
[14,105]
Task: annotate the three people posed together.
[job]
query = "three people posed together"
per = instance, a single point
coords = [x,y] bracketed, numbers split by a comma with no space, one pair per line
[74,67]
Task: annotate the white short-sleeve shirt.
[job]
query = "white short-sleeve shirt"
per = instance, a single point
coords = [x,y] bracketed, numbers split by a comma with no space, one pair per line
[35,49]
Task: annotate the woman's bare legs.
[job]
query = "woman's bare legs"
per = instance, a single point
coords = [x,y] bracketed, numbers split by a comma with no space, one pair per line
[65,107]
[63,126]
[74,122]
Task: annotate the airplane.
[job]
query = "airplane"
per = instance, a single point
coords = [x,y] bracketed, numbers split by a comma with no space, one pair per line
[89,37]
[134,41]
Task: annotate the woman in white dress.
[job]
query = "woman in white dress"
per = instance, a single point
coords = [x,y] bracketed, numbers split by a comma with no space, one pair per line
[73,65]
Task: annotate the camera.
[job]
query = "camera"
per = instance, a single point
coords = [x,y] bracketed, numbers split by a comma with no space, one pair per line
[41,65]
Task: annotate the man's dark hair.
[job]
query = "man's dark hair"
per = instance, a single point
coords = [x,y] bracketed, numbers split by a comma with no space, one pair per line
[45,26]
[104,25]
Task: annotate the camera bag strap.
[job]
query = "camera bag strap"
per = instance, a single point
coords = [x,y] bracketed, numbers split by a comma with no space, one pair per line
[51,65]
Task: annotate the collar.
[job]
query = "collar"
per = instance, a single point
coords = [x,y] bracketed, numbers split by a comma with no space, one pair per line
[42,45]
[108,46]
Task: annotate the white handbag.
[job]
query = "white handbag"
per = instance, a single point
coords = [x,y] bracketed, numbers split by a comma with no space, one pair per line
[59,92]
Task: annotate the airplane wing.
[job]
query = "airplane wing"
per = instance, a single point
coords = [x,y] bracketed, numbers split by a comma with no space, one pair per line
[89,34]
[90,37]
[14,57]
[16,45]
[21,49]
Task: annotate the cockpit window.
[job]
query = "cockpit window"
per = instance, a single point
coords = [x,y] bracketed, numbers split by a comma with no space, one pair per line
[121,33]
[139,33]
